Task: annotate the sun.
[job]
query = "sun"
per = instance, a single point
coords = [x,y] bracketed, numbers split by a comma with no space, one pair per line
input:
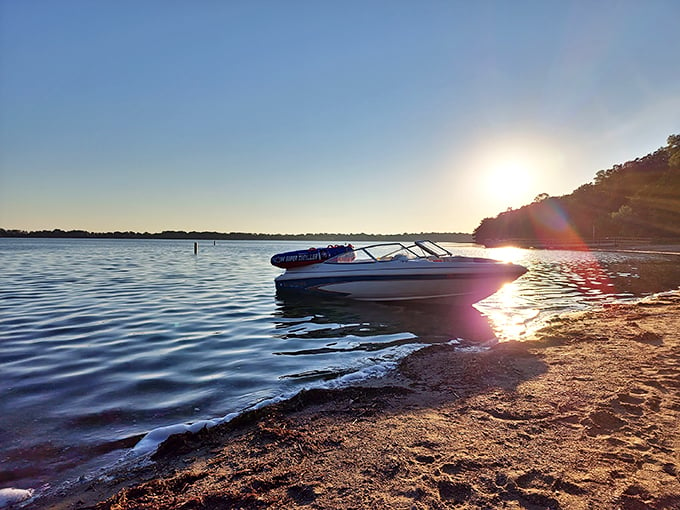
[510,172]
[510,180]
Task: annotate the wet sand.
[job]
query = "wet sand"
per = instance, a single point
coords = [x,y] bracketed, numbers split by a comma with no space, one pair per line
[586,415]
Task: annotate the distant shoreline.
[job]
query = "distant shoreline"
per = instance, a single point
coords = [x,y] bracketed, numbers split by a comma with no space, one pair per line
[455,237]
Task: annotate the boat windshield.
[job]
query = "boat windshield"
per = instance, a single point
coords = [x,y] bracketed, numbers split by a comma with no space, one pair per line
[390,251]
[433,249]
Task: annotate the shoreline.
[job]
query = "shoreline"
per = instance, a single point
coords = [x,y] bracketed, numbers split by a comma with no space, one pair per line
[660,249]
[181,235]
[585,415]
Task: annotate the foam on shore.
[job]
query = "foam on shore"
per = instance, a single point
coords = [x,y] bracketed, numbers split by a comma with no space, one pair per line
[150,442]
[12,496]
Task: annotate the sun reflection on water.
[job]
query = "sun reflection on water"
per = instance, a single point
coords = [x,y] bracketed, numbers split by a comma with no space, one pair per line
[508,313]
[509,254]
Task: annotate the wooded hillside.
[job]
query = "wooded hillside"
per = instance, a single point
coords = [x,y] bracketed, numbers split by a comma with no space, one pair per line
[640,198]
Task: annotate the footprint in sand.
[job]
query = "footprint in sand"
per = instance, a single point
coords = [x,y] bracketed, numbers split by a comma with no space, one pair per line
[534,489]
[454,492]
[535,479]
[602,422]
[638,401]
[649,337]
[625,403]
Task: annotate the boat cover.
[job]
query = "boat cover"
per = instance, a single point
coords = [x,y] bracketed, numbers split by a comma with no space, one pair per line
[300,258]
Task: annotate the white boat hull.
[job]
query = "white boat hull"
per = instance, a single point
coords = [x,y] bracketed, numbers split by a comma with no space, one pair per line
[457,282]
[396,290]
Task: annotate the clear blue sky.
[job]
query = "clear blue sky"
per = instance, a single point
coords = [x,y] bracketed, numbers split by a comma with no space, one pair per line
[321,116]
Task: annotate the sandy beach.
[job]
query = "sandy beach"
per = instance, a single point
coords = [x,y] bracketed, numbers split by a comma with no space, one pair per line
[584,415]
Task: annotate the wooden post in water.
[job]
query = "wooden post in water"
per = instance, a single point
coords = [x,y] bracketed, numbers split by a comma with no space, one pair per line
[195,248]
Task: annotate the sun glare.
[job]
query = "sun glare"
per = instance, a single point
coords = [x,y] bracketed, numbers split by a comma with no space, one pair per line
[509,180]
[511,172]
[509,254]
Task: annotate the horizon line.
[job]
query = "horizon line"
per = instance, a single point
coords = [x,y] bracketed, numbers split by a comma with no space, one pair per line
[81,232]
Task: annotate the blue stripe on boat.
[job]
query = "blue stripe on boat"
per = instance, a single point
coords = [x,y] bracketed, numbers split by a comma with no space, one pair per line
[314,283]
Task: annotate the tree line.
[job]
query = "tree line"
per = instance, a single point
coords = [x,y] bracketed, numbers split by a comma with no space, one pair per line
[639,198]
[457,237]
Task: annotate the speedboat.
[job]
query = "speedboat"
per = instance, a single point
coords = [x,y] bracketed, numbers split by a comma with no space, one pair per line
[423,271]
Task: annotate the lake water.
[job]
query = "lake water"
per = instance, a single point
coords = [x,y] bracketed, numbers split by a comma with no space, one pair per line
[102,341]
